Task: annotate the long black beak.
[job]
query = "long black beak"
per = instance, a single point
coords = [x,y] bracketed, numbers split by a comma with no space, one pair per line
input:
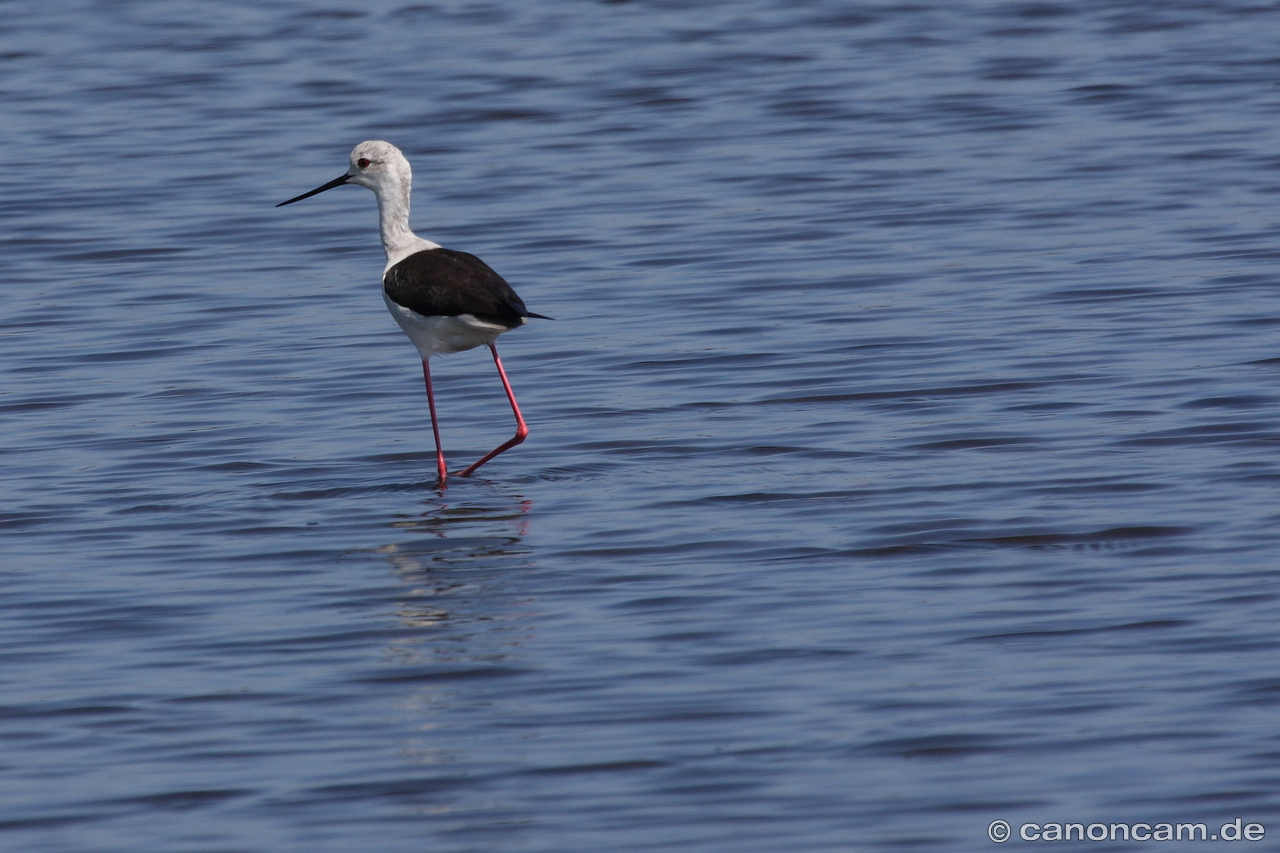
[336,182]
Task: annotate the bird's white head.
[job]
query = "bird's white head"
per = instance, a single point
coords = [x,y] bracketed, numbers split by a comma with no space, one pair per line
[379,166]
[382,168]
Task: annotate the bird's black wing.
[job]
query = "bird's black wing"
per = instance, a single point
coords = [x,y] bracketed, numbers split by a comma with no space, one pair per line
[446,283]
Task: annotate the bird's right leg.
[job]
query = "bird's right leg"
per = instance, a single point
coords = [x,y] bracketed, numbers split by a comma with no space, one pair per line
[522,429]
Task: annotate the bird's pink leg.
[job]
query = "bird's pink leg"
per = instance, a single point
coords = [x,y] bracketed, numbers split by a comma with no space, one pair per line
[435,427]
[522,429]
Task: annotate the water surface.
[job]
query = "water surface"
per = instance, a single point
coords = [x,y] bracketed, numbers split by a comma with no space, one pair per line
[903,452]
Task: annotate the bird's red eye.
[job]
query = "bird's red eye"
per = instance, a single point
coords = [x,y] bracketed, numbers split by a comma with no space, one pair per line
[363,163]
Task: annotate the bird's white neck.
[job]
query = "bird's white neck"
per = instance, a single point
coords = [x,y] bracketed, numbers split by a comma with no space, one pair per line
[398,241]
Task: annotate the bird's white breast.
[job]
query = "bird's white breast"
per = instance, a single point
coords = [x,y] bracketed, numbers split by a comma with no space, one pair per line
[443,335]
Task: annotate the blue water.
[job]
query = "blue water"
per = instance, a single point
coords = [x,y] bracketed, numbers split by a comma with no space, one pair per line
[903,454]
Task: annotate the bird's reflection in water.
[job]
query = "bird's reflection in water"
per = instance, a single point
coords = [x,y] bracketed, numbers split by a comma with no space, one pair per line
[458,572]
[463,611]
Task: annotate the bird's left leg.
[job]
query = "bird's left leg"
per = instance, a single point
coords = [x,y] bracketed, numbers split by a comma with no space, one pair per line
[435,427]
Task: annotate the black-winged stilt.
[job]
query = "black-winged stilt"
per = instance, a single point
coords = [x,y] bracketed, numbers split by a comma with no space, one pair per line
[446,301]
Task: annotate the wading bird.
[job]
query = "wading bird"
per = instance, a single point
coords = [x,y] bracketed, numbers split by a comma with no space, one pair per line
[444,300]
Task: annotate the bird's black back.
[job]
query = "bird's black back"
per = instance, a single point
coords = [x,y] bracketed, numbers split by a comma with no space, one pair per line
[446,283]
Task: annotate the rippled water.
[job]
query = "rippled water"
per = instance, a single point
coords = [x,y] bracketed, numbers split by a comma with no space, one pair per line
[903,453]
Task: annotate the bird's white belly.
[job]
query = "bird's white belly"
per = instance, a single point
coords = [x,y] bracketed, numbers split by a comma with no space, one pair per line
[441,335]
